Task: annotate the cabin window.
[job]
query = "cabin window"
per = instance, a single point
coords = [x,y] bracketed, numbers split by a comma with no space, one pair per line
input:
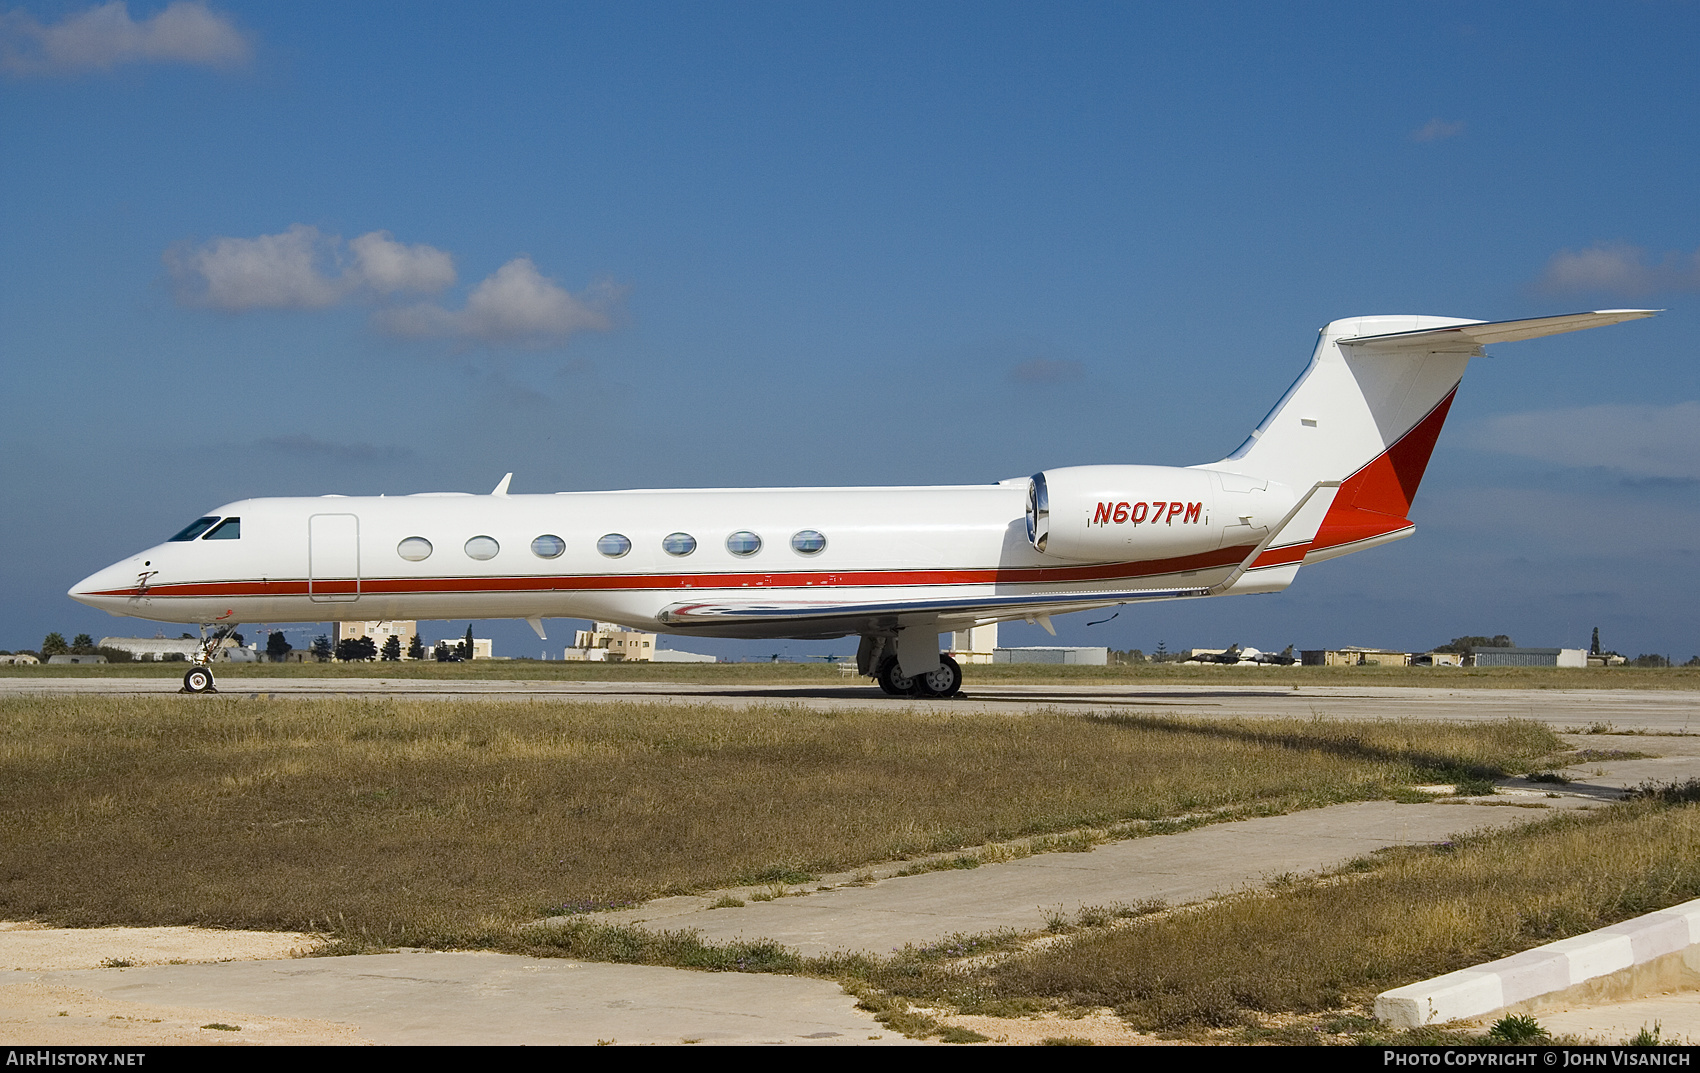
[196,528]
[548,546]
[743,543]
[414,549]
[229,529]
[808,542]
[678,543]
[613,545]
[482,547]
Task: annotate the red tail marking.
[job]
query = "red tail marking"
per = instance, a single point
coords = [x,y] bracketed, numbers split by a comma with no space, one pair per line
[1377,498]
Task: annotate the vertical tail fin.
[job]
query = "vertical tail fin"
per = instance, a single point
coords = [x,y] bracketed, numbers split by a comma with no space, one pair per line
[1368,409]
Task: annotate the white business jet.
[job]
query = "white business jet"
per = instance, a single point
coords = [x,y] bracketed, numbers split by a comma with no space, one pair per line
[1331,470]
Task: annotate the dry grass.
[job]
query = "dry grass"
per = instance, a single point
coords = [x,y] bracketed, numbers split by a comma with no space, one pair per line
[978,675]
[1410,915]
[416,817]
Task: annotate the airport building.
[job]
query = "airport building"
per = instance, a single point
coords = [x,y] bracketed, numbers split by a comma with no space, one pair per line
[1529,657]
[610,642]
[1086,657]
[1353,656]
[978,645]
[1437,659]
[482,647]
[380,632]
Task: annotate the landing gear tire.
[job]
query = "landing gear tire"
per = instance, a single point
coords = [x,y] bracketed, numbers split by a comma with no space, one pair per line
[198,680]
[944,682]
[893,680]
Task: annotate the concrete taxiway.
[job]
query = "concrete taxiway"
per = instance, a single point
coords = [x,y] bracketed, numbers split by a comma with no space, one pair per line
[481,998]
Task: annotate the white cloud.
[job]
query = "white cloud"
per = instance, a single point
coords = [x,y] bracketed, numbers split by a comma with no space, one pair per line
[302,268]
[518,304]
[387,266]
[1619,268]
[1437,129]
[1637,440]
[100,38]
[281,271]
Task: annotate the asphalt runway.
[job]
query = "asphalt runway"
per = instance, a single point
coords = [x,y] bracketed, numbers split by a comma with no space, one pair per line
[1645,710]
[479,998]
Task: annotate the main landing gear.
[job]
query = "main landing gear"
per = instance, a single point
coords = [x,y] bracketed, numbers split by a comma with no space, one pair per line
[944,682]
[199,678]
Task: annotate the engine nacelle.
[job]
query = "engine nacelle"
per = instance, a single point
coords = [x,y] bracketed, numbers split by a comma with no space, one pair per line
[1135,513]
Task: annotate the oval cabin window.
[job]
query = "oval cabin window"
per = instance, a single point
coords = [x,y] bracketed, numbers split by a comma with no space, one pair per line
[414,549]
[548,546]
[482,547]
[743,542]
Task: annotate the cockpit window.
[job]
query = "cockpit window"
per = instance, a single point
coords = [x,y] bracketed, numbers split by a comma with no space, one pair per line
[229,529]
[196,528]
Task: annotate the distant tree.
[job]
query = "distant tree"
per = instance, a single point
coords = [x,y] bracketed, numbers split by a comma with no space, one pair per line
[416,648]
[392,648]
[1693,661]
[1468,644]
[356,648]
[278,647]
[322,648]
[464,649]
[1650,659]
[53,645]
[82,644]
[1594,646]
[115,655]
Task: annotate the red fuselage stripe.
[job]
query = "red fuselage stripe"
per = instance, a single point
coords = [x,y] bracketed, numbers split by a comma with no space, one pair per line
[632,582]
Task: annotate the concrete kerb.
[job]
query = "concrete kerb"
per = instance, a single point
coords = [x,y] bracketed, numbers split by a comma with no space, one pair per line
[1658,951]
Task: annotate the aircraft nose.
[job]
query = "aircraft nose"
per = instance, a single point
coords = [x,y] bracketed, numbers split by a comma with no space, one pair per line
[105,587]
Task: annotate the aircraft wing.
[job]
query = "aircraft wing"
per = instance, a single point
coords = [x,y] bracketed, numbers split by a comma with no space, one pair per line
[1468,337]
[853,616]
[967,608]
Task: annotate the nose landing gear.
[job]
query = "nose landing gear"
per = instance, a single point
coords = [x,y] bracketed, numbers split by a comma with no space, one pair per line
[199,678]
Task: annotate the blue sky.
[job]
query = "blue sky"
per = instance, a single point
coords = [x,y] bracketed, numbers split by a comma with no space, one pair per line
[259,249]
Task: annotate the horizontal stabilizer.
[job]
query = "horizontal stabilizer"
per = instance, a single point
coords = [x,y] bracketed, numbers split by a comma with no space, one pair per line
[1467,337]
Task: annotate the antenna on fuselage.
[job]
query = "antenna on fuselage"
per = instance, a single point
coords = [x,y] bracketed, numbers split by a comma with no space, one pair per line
[502,488]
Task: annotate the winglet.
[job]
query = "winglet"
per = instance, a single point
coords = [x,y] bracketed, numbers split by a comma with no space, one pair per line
[502,488]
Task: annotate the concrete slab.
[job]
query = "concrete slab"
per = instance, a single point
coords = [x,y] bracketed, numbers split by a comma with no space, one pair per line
[1676,1015]
[498,999]
[1024,894]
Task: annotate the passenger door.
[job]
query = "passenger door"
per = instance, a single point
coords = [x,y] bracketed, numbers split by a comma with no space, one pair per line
[333,558]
